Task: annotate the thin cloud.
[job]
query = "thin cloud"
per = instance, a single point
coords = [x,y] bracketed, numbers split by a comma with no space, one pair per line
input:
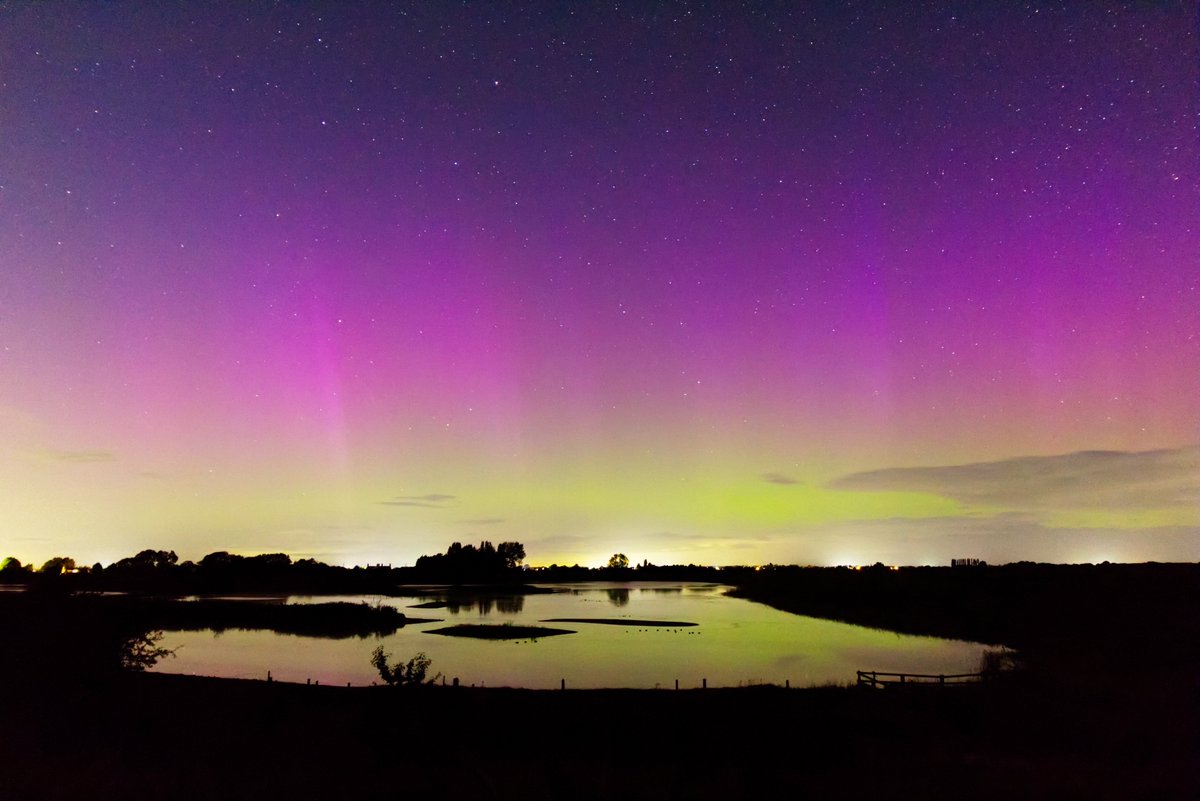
[779,478]
[1085,480]
[485,521]
[433,500]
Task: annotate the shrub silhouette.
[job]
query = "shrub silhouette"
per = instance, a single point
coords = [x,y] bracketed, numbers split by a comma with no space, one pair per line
[401,673]
[142,651]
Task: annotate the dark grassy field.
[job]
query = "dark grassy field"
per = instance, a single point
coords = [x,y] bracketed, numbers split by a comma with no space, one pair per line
[159,737]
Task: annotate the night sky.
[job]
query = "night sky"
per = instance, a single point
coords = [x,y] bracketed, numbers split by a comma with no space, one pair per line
[724,284]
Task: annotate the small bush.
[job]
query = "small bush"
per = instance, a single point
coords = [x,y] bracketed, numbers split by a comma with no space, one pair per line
[141,651]
[402,673]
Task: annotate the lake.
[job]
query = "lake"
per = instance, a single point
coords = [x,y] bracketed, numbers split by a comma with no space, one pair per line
[735,643]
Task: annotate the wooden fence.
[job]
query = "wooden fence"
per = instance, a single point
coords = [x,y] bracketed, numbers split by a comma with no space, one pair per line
[874,678]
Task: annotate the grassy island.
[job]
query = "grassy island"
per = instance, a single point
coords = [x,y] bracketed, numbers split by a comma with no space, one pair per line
[502,632]
[332,620]
[622,621]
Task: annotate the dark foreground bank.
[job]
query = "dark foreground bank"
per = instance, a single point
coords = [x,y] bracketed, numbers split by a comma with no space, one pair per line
[155,736]
[1106,625]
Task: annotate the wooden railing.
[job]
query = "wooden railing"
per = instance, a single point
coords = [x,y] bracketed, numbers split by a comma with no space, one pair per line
[874,678]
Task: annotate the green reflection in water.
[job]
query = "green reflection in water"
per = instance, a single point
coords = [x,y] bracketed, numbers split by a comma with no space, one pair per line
[736,642]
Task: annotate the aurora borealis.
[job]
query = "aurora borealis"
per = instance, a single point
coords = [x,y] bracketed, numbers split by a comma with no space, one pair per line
[732,284]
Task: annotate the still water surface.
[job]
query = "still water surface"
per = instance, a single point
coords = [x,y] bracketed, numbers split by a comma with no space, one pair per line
[736,642]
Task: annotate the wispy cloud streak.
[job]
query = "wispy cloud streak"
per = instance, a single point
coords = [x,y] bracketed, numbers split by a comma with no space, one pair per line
[433,500]
[1085,480]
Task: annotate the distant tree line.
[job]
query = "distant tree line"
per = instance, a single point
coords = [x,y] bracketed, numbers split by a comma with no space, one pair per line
[468,563]
[221,571]
[161,571]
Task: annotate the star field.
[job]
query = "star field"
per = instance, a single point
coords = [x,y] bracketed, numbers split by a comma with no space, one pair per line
[598,279]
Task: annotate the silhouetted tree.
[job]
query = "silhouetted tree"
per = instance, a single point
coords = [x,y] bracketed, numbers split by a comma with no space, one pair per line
[618,561]
[513,553]
[466,562]
[58,564]
[146,561]
[142,650]
[219,559]
[12,571]
[265,562]
[400,674]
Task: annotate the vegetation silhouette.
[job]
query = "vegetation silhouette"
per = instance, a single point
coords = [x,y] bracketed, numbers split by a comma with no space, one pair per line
[141,651]
[144,562]
[330,620]
[401,674]
[58,564]
[503,631]
[466,563]
[496,571]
